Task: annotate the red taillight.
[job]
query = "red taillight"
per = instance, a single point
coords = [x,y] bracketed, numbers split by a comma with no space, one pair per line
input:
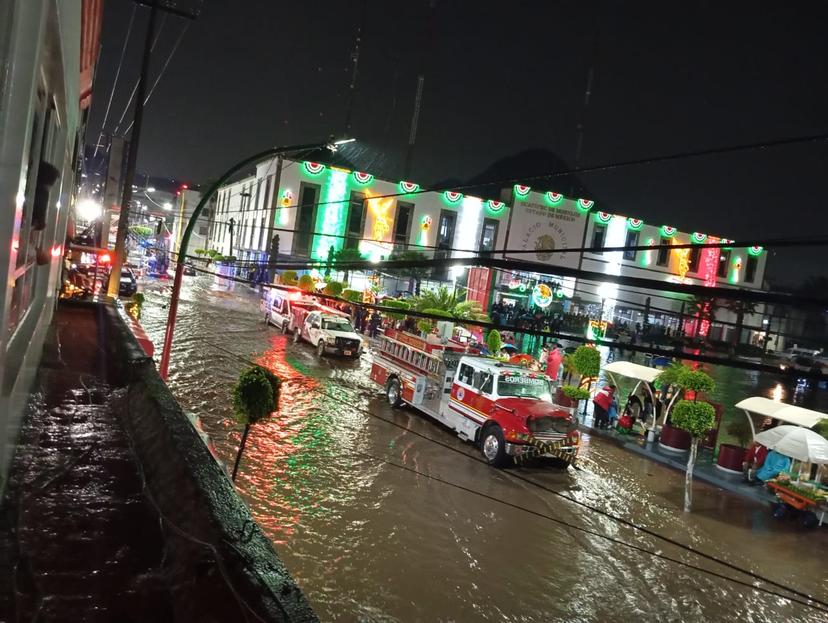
[105,258]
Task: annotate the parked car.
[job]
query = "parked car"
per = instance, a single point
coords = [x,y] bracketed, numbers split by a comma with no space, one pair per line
[129,284]
[330,332]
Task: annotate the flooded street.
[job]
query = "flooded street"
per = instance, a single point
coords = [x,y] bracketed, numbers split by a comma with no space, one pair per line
[383,515]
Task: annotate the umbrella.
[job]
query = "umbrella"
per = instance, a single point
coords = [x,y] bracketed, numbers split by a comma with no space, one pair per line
[796,442]
[508,347]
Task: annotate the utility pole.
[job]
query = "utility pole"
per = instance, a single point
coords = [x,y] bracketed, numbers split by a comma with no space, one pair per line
[132,155]
[232,225]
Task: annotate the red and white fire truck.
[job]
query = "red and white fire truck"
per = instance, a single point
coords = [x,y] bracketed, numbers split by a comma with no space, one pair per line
[506,409]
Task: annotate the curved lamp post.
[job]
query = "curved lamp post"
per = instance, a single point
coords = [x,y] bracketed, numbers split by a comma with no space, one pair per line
[164,366]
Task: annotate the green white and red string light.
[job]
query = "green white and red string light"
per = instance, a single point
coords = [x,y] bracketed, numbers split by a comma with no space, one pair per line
[668,231]
[522,191]
[495,206]
[698,237]
[452,197]
[603,217]
[363,178]
[409,187]
[554,199]
[585,205]
[755,251]
[313,168]
[635,224]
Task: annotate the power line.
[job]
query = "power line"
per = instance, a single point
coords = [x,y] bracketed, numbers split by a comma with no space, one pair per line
[115,81]
[163,68]
[616,518]
[135,88]
[665,352]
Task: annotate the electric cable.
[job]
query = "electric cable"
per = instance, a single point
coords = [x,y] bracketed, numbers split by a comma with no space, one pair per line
[163,69]
[611,516]
[665,352]
[115,81]
[135,88]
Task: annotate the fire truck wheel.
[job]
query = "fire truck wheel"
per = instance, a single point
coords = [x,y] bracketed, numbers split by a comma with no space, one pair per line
[393,392]
[493,445]
[320,348]
[296,336]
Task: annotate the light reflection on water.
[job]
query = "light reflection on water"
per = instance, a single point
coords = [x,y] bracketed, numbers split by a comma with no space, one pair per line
[367,541]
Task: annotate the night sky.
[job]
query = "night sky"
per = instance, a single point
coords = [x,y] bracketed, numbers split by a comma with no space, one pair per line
[501,78]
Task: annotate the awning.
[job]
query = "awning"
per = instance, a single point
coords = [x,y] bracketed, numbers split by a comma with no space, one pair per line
[632,370]
[781,411]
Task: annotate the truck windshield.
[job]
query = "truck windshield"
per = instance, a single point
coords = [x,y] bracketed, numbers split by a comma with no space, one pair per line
[523,386]
[337,324]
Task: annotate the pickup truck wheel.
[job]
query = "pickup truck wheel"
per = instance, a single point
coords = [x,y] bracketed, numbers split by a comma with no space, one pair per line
[296,335]
[320,348]
[393,392]
[493,445]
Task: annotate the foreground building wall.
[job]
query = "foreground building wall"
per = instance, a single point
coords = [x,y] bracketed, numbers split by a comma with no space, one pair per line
[47,54]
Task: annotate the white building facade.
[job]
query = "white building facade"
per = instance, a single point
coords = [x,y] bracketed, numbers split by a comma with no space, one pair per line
[47,54]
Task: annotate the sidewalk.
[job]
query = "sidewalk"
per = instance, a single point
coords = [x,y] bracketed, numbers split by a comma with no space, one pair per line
[704,470]
[115,509]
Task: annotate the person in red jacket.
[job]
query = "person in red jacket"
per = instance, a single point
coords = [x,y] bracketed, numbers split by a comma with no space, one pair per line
[753,459]
[601,404]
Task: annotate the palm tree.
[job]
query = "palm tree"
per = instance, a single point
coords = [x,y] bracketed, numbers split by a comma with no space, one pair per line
[702,308]
[417,273]
[346,256]
[741,309]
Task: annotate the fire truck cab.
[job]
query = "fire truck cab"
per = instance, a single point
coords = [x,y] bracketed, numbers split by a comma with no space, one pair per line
[506,409]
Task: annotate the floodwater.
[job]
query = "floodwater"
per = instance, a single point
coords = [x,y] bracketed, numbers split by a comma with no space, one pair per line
[383,515]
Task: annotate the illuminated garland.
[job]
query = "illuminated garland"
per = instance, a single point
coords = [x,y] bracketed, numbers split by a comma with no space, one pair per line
[521,190]
[363,178]
[495,206]
[698,238]
[585,205]
[726,241]
[603,217]
[755,251]
[409,187]
[313,168]
[635,224]
[452,197]
[667,231]
[554,199]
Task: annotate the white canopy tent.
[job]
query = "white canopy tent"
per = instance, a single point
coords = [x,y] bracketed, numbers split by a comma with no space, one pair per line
[779,411]
[642,374]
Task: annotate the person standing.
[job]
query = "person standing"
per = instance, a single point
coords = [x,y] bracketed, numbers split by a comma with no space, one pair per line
[601,405]
[553,362]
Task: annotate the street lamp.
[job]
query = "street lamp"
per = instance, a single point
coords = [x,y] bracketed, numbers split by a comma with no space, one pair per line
[332,144]
[89,210]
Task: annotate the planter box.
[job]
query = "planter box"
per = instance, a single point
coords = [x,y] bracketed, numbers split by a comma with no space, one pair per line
[563,400]
[730,458]
[674,439]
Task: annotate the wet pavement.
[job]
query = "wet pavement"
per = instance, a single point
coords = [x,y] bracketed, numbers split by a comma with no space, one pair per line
[381,514]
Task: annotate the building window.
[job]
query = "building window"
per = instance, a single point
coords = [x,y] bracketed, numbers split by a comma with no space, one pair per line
[402,225]
[693,260]
[598,235]
[664,252]
[724,263]
[202,230]
[445,232]
[750,269]
[356,220]
[306,218]
[488,237]
[631,241]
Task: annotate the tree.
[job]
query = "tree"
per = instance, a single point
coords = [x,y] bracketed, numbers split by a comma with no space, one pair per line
[494,342]
[334,288]
[346,256]
[307,283]
[702,308]
[741,309]
[442,298]
[255,396]
[417,273]
[694,416]
[586,361]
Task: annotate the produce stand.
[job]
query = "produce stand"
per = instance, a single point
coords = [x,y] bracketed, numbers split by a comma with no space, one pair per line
[810,500]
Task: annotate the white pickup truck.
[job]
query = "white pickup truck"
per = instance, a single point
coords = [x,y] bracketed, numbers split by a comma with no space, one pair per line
[328,331]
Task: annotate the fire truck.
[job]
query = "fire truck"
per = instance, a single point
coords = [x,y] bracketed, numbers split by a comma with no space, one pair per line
[507,410]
